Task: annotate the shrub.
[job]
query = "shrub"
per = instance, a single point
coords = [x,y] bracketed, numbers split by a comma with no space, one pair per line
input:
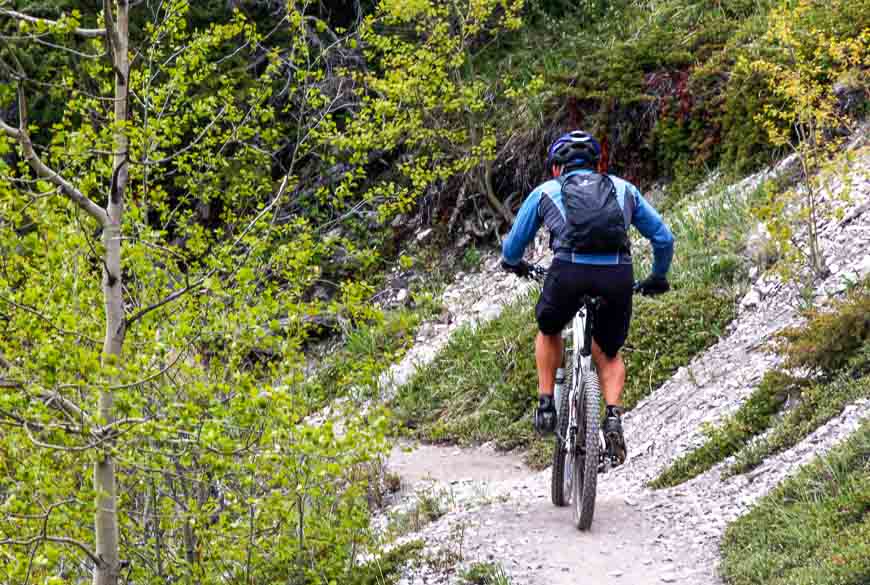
[818,404]
[666,332]
[832,338]
[831,350]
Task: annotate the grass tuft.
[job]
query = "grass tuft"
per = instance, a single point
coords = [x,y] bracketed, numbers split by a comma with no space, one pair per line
[482,385]
[387,569]
[754,416]
[428,508]
[667,332]
[485,574]
[818,404]
[368,350]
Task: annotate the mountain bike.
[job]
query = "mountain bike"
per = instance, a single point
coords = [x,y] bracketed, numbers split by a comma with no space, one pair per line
[580,452]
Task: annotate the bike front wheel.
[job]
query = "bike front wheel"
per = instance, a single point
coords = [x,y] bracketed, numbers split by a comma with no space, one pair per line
[561,479]
[585,475]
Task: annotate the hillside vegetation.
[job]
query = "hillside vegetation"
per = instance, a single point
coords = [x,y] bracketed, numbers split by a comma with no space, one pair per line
[827,361]
[194,194]
[815,528]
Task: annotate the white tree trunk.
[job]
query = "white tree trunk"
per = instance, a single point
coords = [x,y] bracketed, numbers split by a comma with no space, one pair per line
[106,522]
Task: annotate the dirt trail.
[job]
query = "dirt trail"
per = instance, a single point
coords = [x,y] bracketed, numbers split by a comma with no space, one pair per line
[497,510]
[420,463]
[500,510]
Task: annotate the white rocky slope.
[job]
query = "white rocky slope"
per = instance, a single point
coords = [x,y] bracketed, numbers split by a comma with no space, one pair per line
[500,511]
[472,299]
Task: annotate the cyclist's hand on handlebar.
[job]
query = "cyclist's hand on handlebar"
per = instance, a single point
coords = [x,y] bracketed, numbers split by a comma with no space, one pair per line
[653,285]
[521,268]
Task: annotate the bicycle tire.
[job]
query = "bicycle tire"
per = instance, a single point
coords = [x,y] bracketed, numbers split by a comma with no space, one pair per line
[559,495]
[586,467]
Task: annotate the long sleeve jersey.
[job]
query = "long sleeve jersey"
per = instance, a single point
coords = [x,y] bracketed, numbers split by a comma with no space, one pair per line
[544,206]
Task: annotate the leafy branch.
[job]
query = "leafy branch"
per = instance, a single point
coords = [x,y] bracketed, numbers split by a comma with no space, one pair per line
[21,135]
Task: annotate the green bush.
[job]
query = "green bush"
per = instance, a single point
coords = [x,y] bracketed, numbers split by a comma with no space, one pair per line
[813,529]
[667,332]
[818,404]
[662,81]
[832,338]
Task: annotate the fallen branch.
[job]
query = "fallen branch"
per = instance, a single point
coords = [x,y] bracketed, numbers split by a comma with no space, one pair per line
[490,194]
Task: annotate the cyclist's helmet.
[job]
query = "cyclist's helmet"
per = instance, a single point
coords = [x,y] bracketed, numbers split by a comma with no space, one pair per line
[575,148]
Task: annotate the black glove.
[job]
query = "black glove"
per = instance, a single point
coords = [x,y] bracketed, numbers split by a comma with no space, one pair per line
[654,285]
[521,268]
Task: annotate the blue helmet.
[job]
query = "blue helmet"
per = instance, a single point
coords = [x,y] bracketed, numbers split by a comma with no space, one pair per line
[574,148]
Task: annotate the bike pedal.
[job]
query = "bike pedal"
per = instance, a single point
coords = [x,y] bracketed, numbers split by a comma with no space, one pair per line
[604,464]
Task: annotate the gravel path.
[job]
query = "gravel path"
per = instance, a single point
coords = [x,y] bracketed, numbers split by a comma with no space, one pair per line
[498,510]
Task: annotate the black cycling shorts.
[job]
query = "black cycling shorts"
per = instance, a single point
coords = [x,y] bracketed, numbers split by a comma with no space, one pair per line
[563,293]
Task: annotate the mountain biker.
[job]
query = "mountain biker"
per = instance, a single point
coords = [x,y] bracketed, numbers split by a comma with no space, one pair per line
[592,256]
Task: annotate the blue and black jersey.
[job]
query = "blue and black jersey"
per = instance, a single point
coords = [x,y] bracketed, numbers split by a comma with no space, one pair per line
[544,206]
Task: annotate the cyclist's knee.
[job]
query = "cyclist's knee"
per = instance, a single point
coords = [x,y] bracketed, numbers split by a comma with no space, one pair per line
[607,353]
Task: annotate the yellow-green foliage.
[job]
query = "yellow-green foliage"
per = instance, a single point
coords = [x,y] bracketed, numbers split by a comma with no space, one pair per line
[420,95]
[805,58]
[662,80]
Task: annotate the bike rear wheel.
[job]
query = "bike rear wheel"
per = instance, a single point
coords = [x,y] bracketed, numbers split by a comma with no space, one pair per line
[561,479]
[585,475]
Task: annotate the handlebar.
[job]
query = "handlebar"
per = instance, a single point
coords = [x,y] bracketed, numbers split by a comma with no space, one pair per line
[538,273]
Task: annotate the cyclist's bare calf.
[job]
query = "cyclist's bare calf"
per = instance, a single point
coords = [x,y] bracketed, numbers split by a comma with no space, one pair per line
[548,356]
[611,373]
[611,370]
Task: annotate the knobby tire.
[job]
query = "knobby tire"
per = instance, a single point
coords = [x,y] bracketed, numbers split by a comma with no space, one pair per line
[560,454]
[586,466]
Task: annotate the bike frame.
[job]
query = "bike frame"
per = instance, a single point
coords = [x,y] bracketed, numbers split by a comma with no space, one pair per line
[581,365]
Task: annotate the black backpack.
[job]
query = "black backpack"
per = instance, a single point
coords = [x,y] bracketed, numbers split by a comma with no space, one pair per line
[594,221]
